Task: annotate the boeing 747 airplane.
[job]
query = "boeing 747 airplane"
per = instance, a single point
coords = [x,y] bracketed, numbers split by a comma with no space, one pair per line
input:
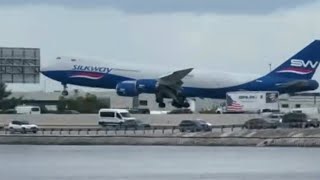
[294,75]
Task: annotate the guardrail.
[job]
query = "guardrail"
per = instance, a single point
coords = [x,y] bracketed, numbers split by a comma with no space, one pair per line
[97,130]
[154,129]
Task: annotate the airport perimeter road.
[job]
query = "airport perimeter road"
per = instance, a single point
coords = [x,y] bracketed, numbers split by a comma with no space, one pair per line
[92,119]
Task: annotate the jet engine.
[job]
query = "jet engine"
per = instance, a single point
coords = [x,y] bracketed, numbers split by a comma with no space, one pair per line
[133,88]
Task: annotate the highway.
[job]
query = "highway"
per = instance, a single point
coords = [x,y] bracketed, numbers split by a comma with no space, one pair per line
[92,119]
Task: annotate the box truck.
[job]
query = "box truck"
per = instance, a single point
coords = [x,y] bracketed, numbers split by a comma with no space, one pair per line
[250,101]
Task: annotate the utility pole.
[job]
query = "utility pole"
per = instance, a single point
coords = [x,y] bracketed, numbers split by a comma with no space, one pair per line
[270,67]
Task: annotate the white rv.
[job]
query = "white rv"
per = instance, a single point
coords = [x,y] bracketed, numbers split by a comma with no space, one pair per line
[250,101]
[28,110]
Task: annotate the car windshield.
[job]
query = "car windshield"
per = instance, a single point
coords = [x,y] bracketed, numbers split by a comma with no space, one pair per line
[24,122]
[125,114]
[202,121]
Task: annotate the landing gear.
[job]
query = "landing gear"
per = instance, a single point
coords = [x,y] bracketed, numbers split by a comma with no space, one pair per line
[64,91]
[162,105]
[186,105]
[183,104]
[175,104]
[178,100]
[159,100]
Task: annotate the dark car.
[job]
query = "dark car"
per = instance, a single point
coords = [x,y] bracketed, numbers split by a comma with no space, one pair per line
[8,111]
[139,111]
[135,124]
[298,120]
[180,111]
[206,125]
[71,112]
[259,123]
[191,125]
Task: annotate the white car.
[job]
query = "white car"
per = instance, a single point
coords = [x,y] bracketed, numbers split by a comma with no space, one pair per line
[22,127]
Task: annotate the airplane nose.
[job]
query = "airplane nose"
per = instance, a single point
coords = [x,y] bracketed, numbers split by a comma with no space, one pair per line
[45,71]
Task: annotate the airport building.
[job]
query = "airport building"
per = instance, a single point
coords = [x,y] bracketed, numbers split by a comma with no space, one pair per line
[299,101]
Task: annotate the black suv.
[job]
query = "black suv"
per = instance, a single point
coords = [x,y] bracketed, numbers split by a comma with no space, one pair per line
[139,111]
[298,120]
[180,111]
[258,123]
[135,124]
[192,126]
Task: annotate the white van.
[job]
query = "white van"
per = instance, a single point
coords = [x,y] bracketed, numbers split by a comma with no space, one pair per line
[28,110]
[114,116]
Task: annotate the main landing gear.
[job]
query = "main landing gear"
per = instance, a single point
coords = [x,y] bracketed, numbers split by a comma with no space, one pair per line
[178,102]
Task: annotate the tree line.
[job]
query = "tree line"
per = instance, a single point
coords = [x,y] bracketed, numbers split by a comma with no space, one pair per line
[83,104]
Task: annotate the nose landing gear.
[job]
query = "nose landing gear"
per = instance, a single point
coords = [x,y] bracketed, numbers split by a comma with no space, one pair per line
[64,91]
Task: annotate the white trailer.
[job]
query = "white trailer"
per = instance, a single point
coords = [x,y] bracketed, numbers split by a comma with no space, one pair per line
[28,110]
[250,101]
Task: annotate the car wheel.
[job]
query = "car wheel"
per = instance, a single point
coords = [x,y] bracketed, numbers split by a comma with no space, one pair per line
[11,130]
[23,131]
[182,130]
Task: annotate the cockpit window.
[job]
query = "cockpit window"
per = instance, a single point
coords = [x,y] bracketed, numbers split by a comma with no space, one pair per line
[58,57]
[73,59]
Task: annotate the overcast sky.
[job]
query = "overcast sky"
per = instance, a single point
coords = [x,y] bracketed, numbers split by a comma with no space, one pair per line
[238,36]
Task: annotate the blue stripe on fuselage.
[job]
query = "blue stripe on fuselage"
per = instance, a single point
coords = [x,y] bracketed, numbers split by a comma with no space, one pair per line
[109,81]
[267,83]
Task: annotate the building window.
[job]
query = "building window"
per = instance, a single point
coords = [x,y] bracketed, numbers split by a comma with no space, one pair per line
[298,105]
[285,105]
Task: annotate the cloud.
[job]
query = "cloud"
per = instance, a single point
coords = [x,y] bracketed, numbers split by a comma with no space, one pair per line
[173,6]
[244,43]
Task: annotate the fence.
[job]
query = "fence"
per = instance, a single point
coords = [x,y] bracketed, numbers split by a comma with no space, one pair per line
[153,130]
[95,130]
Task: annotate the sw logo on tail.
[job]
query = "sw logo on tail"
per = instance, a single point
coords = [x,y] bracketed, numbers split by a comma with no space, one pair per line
[300,67]
[302,63]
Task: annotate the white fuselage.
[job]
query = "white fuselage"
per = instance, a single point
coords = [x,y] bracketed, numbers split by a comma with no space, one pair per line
[197,78]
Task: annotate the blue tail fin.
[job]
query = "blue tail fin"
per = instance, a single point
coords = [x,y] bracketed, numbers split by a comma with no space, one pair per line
[303,65]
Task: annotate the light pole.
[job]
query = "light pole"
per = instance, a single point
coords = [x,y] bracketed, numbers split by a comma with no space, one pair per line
[270,67]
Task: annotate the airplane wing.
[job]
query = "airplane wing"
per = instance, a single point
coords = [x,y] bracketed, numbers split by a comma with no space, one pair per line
[174,79]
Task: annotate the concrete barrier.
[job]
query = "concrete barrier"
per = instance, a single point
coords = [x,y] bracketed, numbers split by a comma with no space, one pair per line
[279,137]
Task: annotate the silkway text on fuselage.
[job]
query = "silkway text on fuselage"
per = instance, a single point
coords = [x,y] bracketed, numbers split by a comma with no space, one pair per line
[92,68]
